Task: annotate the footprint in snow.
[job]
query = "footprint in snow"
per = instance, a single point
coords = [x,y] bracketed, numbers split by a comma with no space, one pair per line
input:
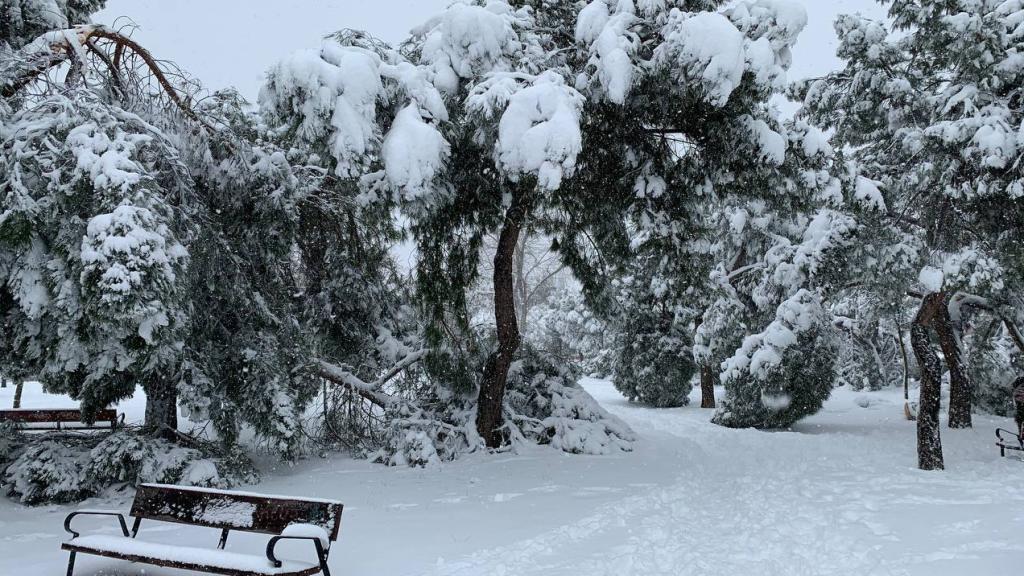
[546,489]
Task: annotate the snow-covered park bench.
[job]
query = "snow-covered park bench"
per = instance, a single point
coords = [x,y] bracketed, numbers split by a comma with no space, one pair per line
[1007,440]
[58,419]
[282,517]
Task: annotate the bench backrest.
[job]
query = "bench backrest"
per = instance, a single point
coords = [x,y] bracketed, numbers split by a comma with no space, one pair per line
[242,511]
[30,416]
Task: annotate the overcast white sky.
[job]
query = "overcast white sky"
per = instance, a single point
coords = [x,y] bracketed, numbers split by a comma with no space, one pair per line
[232,42]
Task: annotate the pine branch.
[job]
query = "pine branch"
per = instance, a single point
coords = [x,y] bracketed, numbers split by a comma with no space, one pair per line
[368,390]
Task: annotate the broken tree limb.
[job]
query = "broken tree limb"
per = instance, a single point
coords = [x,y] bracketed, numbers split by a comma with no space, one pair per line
[368,390]
[58,48]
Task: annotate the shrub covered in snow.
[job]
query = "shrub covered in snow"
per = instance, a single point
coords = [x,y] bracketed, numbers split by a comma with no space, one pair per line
[995,364]
[544,405]
[784,373]
[654,367]
[68,468]
[49,471]
[11,440]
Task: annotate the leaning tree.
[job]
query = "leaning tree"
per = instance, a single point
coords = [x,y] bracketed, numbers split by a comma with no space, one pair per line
[148,237]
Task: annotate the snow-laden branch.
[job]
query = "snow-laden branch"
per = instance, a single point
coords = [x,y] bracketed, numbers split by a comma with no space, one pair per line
[981,303]
[368,390]
[55,48]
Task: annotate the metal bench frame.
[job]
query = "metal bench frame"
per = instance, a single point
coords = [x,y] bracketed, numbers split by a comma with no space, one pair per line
[1012,441]
[272,515]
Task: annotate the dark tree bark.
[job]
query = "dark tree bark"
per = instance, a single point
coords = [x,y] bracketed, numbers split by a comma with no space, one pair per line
[521,288]
[960,386]
[19,386]
[490,404]
[162,409]
[929,443]
[707,386]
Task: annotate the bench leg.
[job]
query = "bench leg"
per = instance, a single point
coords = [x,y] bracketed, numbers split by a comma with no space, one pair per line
[71,563]
[322,555]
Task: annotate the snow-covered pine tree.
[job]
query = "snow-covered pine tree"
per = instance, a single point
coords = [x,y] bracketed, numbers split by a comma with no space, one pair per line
[164,254]
[22,21]
[931,115]
[563,326]
[654,362]
[471,130]
[514,130]
[92,238]
[678,102]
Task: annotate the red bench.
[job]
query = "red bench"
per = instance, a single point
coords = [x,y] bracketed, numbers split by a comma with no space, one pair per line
[281,517]
[58,418]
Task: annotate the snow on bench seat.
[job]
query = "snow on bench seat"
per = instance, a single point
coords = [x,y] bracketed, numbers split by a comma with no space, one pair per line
[186,557]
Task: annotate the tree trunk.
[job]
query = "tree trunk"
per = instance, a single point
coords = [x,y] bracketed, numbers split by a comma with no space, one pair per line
[906,363]
[929,443]
[19,386]
[521,288]
[707,386]
[959,380]
[490,405]
[162,409]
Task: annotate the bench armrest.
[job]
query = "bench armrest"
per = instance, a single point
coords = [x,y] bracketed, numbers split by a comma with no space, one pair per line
[120,518]
[321,552]
[1017,437]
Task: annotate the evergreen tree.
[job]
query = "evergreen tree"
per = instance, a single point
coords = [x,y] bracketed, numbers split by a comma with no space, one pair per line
[728,207]
[930,114]
[22,21]
[150,242]
[95,266]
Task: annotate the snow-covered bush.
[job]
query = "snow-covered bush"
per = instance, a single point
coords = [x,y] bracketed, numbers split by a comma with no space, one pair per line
[546,405]
[543,405]
[49,471]
[784,373]
[68,468]
[995,364]
[128,457]
[654,367]
[11,440]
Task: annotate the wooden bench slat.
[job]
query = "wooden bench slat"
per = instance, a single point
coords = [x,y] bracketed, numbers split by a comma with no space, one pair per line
[247,512]
[33,416]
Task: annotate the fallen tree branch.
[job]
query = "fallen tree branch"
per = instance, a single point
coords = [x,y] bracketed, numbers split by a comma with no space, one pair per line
[340,376]
[368,390]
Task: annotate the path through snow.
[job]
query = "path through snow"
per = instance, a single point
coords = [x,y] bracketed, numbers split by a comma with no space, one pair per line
[839,495]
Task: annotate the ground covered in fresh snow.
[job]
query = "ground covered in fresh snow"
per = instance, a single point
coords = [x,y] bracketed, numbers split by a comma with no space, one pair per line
[837,495]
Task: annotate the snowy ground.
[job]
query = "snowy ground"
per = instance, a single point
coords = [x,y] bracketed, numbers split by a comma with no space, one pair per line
[838,495]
